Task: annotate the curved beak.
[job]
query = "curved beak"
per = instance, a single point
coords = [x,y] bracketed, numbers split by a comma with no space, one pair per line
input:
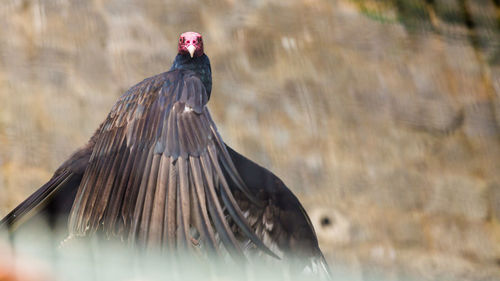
[191,49]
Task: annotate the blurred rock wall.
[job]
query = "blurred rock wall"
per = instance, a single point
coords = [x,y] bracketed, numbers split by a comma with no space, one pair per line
[382,116]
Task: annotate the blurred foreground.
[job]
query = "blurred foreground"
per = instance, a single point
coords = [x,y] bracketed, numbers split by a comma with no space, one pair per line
[382,116]
[35,254]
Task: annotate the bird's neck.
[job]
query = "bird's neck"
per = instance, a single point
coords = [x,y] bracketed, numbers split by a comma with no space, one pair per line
[199,65]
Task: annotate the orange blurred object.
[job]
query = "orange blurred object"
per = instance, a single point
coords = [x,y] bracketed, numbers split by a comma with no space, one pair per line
[20,268]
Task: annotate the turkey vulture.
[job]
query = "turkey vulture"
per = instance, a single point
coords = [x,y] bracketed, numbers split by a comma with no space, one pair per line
[157,173]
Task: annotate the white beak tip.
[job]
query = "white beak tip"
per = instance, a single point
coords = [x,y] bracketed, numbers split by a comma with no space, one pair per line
[191,49]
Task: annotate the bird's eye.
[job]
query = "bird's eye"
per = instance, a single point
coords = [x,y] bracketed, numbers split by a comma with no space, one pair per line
[199,39]
[180,40]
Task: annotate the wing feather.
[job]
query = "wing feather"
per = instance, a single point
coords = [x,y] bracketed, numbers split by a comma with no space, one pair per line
[216,213]
[149,197]
[91,206]
[120,159]
[87,186]
[183,208]
[171,213]
[74,224]
[132,189]
[157,172]
[228,163]
[116,200]
[159,201]
[35,200]
[205,226]
[139,201]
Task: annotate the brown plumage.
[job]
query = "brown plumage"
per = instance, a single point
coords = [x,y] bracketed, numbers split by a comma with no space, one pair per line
[157,174]
[157,150]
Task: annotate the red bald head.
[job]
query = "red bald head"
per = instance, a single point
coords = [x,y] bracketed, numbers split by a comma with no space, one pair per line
[191,43]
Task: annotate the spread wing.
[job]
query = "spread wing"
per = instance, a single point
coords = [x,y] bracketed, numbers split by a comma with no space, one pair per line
[159,172]
[280,222]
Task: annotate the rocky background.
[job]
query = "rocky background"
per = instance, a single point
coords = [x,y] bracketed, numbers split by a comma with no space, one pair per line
[382,116]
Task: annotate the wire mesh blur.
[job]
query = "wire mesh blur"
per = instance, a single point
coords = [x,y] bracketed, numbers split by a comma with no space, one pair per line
[381,115]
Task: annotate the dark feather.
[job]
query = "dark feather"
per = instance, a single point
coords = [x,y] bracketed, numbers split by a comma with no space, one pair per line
[115,201]
[146,166]
[139,201]
[36,199]
[227,163]
[158,212]
[149,197]
[171,213]
[183,202]
[128,203]
[157,174]
[216,213]
[205,227]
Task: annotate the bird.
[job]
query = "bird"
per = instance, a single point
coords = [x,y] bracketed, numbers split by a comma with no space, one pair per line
[156,173]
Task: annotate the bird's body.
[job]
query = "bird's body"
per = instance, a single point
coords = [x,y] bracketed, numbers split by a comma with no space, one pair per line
[157,173]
